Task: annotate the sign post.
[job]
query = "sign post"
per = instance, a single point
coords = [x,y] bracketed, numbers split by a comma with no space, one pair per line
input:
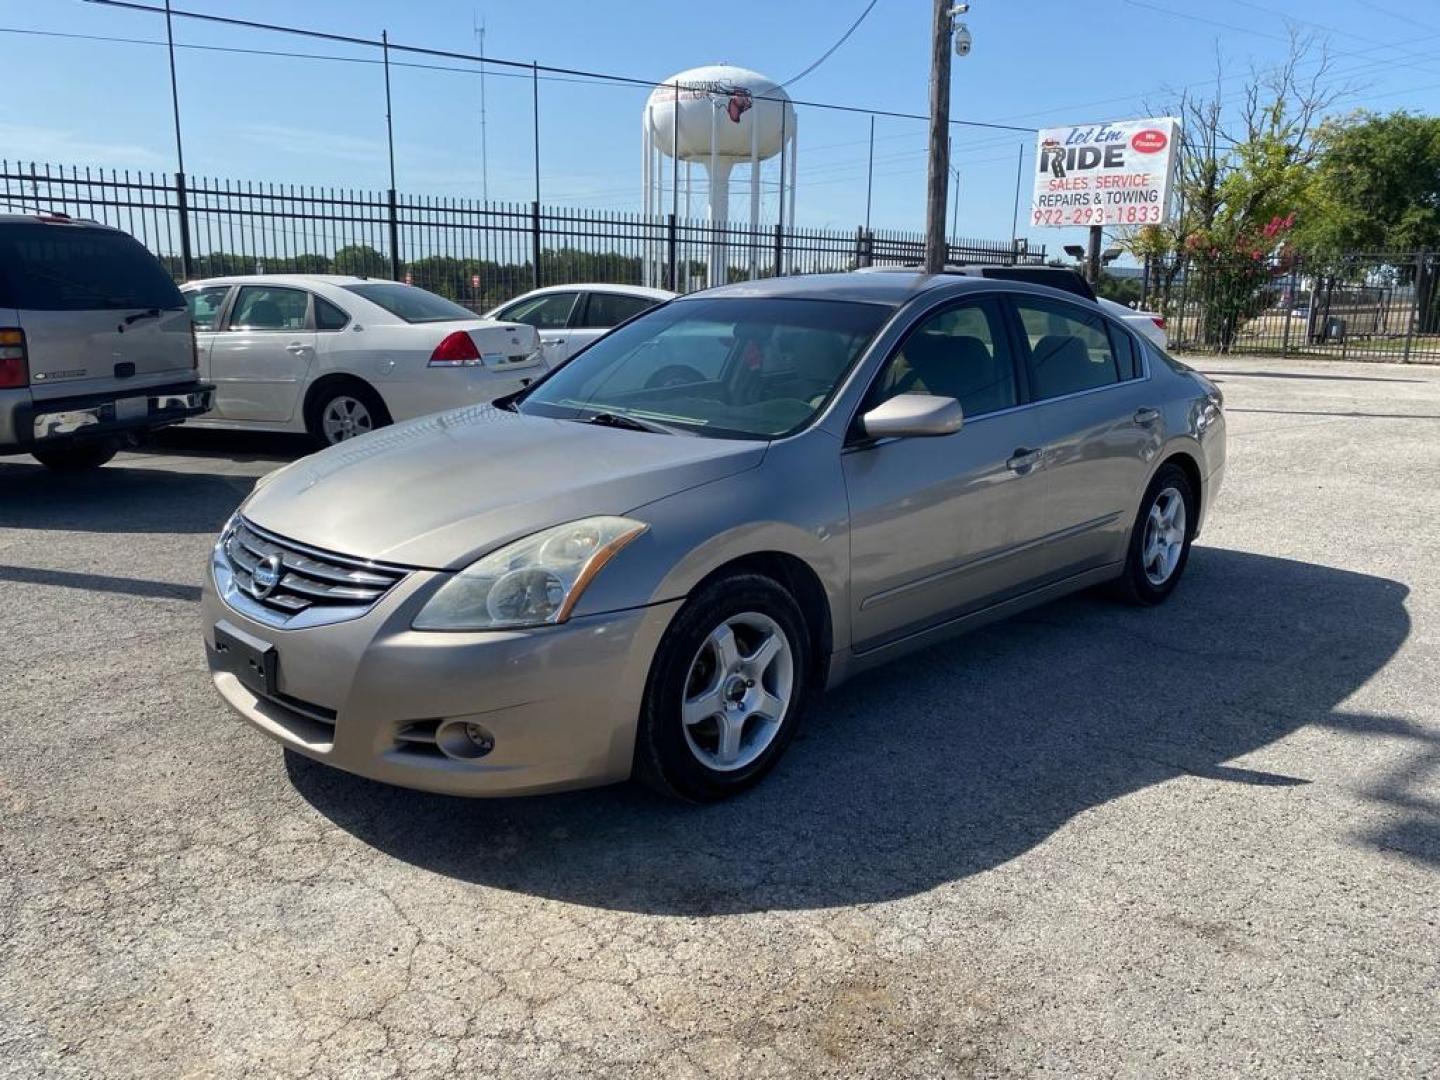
[1098,176]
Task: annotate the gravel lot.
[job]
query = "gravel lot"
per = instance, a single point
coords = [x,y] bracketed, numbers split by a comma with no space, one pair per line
[1094,841]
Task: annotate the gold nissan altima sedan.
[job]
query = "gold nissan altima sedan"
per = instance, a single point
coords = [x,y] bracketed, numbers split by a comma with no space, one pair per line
[647,563]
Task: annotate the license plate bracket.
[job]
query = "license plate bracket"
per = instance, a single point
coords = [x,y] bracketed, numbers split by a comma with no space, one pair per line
[253,661]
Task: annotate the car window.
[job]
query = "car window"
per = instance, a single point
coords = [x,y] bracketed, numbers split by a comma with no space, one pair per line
[611,309]
[736,367]
[328,316]
[1069,348]
[205,305]
[961,352]
[410,303]
[548,312]
[1127,354]
[57,267]
[265,307]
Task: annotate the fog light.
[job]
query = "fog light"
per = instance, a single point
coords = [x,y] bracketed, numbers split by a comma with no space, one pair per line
[464,741]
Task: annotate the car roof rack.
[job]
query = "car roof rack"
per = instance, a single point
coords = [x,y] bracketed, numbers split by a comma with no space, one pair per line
[1056,277]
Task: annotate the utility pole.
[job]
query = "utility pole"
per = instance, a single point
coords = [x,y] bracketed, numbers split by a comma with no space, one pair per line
[1092,255]
[939,171]
[479,28]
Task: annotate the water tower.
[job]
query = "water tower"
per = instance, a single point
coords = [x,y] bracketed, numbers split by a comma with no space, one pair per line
[717,117]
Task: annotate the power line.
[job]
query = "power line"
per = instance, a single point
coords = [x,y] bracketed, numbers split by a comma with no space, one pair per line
[349,39]
[830,51]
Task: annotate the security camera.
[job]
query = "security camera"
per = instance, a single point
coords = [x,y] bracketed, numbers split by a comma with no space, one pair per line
[963,39]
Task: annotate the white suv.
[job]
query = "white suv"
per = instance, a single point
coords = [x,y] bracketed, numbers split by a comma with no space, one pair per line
[95,345]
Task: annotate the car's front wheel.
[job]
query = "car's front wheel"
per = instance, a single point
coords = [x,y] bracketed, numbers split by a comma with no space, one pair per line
[726,690]
[77,457]
[1160,540]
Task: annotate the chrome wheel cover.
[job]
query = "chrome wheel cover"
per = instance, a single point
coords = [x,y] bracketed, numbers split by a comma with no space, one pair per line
[738,691]
[344,418]
[1164,536]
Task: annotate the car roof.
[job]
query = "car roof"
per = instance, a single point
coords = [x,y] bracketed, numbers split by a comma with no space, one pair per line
[645,291]
[892,288]
[286,279]
[49,218]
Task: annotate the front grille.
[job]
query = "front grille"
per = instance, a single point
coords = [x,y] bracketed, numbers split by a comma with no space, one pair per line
[289,578]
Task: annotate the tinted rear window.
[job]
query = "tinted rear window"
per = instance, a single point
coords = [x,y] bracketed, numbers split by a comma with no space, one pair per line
[70,268]
[411,304]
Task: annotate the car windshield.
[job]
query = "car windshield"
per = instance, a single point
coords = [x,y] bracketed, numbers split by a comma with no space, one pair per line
[732,367]
[411,304]
[57,267]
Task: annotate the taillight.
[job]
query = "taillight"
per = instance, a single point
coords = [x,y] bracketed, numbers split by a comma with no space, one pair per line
[1158,320]
[457,350]
[14,367]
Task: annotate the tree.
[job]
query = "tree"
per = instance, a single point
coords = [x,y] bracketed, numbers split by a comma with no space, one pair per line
[1245,179]
[361,260]
[1377,186]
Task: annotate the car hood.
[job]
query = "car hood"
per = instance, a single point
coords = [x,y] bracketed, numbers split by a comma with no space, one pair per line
[440,491]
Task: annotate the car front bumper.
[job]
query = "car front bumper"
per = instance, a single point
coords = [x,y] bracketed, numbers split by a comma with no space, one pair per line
[561,703]
[26,423]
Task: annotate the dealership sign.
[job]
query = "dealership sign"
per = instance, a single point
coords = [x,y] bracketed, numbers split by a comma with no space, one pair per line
[1105,174]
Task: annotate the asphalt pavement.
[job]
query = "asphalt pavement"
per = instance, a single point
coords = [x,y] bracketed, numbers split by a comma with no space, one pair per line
[1198,840]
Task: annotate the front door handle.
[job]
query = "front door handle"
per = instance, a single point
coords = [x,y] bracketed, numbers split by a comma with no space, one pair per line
[1146,416]
[1023,460]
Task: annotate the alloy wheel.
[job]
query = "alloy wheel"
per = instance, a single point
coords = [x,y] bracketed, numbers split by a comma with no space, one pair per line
[738,691]
[344,418]
[1164,536]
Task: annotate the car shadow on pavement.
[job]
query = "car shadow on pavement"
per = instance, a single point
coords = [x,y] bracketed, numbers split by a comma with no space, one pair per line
[942,765]
[118,498]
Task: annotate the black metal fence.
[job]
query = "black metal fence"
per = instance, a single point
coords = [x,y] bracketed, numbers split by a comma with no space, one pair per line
[1357,306]
[477,253]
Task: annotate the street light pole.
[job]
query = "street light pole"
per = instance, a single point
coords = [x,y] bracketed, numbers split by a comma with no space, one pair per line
[938,178]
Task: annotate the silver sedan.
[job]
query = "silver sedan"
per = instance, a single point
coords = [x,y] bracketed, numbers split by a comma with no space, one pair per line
[648,563]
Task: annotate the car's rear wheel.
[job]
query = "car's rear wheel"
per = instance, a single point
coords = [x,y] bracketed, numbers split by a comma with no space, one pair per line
[1160,539]
[77,457]
[726,691]
[345,410]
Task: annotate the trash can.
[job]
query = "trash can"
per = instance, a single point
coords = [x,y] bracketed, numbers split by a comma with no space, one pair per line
[1334,328]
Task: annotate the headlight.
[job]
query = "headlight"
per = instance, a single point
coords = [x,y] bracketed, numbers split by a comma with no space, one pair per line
[532,582]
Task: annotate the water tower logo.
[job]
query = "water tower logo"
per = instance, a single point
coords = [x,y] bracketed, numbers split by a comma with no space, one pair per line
[734,99]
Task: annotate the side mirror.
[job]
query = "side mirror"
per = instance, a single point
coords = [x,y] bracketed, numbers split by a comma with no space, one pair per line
[913,415]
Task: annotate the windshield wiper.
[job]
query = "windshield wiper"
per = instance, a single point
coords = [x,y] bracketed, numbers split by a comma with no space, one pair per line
[626,421]
[148,313]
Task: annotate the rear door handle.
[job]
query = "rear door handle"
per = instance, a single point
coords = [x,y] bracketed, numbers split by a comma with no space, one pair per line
[1146,416]
[552,341]
[298,348]
[1023,460]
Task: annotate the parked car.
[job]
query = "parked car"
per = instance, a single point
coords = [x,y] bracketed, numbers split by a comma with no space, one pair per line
[1149,323]
[609,575]
[95,346]
[339,356]
[569,317]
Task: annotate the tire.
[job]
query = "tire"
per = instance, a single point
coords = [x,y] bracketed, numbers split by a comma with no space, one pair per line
[1158,551]
[693,761]
[326,413]
[77,457]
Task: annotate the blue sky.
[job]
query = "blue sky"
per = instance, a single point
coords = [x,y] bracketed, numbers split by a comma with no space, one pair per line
[316,121]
